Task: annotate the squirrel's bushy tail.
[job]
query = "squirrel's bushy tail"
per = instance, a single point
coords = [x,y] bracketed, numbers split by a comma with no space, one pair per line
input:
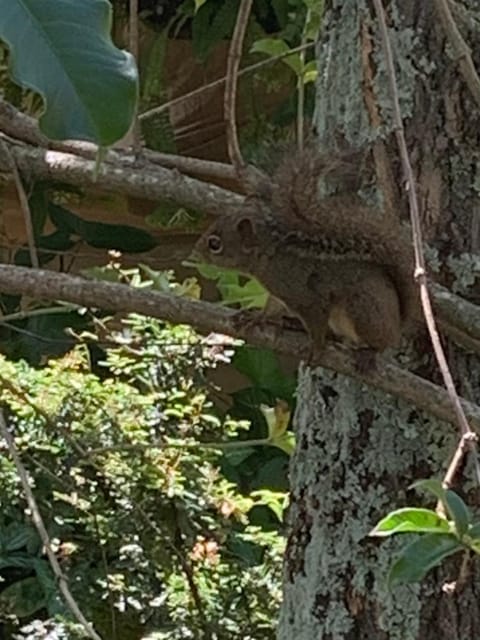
[295,202]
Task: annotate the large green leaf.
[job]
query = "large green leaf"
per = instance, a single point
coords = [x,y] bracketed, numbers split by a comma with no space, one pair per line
[422,555]
[23,598]
[411,520]
[63,50]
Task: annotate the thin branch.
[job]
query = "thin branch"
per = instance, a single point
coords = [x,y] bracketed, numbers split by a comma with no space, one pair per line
[217,83]
[134,50]
[25,207]
[461,50]
[231,86]
[42,532]
[207,317]
[21,127]
[420,271]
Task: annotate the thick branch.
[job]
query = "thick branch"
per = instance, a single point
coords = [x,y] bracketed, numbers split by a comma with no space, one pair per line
[143,181]
[207,317]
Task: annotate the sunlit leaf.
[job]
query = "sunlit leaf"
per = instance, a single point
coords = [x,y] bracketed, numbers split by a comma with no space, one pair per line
[410,520]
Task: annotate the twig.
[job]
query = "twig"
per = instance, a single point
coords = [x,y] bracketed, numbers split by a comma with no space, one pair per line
[45,311]
[230,96]
[460,48]
[217,83]
[134,50]
[19,127]
[420,271]
[22,196]
[40,526]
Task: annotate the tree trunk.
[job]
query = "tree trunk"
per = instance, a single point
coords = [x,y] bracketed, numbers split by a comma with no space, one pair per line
[358,451]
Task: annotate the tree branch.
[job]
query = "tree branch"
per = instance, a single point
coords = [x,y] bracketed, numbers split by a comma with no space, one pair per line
[206,317]
[142,180]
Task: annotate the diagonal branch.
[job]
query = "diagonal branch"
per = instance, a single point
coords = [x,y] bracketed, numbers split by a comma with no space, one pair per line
[206,317]
[230,95]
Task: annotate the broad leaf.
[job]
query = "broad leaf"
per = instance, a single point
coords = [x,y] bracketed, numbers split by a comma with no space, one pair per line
[410,520]
[17,535]
[62,49]
[275,47]
[474,530]
[458,511]
[262,367]
[422,555]
[453,504]
[431,485]
[23,598]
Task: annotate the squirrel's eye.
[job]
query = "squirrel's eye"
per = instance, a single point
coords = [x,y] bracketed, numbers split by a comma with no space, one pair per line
[215,244]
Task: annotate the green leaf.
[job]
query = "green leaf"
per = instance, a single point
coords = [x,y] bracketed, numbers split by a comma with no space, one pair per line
[432,485]
[422,555]
[23,598]
[285,442]
[474,530]
[310,72]
[410,520]
[102,235]
[453,504]
[262,368]
[235,288]
[275,47]
[458,511]
[62,49]
[18,560]
[249,295]
[472,539]
[17,535]
[198,4]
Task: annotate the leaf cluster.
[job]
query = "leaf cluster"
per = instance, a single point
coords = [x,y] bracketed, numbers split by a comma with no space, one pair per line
[152,537]
[439,534]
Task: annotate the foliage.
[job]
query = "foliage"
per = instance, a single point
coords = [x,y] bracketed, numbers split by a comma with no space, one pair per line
[78,90]
[438,536]
[150,535]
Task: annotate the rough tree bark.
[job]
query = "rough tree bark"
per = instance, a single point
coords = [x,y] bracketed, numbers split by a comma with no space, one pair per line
[358,450]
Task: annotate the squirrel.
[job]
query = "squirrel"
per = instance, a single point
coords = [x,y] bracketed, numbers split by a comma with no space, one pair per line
[335,263]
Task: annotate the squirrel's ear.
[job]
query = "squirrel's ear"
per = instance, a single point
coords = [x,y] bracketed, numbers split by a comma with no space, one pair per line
[246,231]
